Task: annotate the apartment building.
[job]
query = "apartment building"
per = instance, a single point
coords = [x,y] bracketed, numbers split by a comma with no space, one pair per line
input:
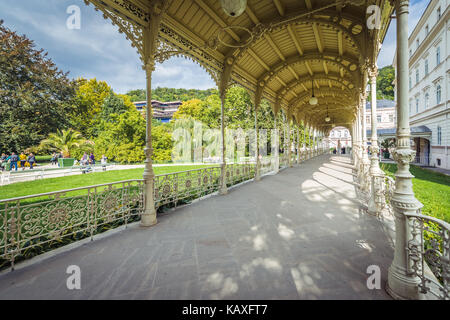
[429,47]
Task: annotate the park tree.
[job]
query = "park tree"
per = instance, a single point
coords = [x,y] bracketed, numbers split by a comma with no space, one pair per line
[87,105]
[385,88]
[35,96]
[122,139]
[162,142]
[114,104]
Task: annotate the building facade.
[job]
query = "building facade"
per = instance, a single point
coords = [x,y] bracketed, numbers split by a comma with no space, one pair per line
[161,110]
[386,114]
[429,76]
[340,138]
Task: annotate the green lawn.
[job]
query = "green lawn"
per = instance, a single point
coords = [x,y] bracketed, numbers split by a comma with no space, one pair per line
[432,189]
[20,189]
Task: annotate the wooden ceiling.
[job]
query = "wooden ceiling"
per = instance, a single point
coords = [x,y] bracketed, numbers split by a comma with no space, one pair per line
[277,49]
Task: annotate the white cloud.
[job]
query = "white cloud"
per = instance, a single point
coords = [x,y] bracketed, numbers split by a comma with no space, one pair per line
[97,49]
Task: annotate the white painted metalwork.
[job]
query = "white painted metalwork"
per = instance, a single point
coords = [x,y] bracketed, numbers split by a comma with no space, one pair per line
[34,224]
[427,250]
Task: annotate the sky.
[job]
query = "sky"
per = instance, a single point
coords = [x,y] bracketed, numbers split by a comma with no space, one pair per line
[98,50]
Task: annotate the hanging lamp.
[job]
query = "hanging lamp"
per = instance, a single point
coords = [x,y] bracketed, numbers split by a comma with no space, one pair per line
[313,100]
[327,118]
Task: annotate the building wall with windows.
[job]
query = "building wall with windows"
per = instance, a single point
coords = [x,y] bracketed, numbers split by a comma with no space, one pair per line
[340,136]
[161,110]
[386,114]
[429,79]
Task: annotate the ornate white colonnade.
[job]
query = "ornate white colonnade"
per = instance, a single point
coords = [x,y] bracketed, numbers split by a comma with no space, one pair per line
[346,91]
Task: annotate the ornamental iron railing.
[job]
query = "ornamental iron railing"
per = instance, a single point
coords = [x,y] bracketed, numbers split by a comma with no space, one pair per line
[177,187]
[35,224]
[427,250]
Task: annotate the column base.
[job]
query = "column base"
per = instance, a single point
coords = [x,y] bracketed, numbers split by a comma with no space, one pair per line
[402,287]
[223,190]
[148,219]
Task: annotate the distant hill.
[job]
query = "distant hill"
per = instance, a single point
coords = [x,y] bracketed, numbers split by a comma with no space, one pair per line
[171,94]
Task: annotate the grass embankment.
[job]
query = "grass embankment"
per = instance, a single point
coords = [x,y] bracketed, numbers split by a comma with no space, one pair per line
[21,189]
[432,189]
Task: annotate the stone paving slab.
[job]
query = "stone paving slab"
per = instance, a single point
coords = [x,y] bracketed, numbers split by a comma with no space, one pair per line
[300,234]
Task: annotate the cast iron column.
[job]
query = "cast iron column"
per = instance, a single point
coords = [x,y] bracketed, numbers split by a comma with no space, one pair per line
[402,283]
[376,198]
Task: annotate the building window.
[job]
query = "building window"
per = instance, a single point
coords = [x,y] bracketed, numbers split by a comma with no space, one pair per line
[438,56]
[426,67]
[427,100]
[378,118]
[427,30]
[367,119]
[391,118]
[417,76]
[439,13]
[417,105]
[417,44]
[410,107]
[438,94]
[410,53]
[439,135]
[410,83]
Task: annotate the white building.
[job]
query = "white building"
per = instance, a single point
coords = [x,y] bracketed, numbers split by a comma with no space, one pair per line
[429,76]
[386,114]
[340,138]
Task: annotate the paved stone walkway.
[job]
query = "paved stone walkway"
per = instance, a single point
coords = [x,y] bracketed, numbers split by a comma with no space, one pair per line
[299,234]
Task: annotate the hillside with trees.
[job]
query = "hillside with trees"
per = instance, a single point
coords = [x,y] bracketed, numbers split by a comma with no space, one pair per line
[171,94]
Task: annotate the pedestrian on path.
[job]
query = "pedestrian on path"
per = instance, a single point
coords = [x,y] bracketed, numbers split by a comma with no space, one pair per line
[103,161]
[13,158]
[92,158]
[31,160]
[3,161]
[23,160]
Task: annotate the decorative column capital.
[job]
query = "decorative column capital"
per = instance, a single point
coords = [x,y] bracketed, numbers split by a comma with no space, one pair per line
[373,73]
[401,6]
[149,66]
[403,156]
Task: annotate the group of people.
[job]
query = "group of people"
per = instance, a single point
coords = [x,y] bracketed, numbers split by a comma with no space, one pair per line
[55,157]
[13,159]
[88,160]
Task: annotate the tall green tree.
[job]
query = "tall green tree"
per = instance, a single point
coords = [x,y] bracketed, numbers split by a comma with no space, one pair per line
[88,101]
[35,96]
[385,88]
[122,139]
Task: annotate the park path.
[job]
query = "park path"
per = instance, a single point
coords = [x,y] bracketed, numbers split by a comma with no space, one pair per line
[300,234]
[51,171]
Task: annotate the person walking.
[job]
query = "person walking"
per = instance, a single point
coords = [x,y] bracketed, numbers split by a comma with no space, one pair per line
[31,160]
[92,159]
[60,155]
[3,161]
[84,159]
[54,159]
[103,161]
[13,158]
[23,160]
